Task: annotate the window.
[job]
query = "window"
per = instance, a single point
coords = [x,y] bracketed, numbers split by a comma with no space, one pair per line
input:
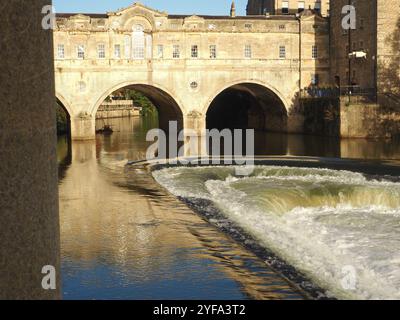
[285,7]
[195,51]
[81,51]
[213,51]
[361,45]
[282,52]
[117,51]
[314,79]
[317,6]
[314,52]
[160,51]
[247,51]
[176,52]
[301,6]
[101,51]
[282,27]
[60,51]
[138,42]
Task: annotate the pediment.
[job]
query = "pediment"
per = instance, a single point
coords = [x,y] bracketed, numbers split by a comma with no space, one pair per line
[138,9]
[136,14]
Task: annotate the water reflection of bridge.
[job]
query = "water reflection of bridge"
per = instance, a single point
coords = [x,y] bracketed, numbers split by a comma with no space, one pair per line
[120,220]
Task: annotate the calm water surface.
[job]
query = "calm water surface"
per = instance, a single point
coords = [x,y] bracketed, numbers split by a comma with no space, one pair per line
[124,237]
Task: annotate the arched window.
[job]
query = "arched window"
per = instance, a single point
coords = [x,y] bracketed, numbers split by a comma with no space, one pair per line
[142,44]
[138,42]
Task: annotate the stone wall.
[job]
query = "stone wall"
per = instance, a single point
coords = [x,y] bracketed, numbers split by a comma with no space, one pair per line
[367,120]
[117,109]
[29,222]
[358,71]
[388,46]
[321,116]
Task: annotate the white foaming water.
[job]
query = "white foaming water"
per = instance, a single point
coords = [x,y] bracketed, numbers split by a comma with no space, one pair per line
[337,227]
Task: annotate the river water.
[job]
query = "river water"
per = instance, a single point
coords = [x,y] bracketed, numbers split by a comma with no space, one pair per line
[125,236]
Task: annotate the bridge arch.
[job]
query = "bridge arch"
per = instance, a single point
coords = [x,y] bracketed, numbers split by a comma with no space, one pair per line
[64,104]
[247,104]
[245,81]
[168,105]
[63,121]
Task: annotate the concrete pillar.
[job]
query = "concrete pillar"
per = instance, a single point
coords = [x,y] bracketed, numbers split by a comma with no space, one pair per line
[29,222]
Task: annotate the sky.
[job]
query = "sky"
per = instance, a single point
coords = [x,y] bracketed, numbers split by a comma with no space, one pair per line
[205,7]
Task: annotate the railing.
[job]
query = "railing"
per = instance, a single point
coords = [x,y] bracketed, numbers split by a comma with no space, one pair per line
[355,94]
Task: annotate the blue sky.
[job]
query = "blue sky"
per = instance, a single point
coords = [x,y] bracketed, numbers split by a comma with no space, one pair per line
[213,7]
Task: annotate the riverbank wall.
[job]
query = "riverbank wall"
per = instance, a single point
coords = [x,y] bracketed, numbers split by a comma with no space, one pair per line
[352,117]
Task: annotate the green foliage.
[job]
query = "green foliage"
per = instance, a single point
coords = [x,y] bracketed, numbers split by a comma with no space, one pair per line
[62,120]
[140,100]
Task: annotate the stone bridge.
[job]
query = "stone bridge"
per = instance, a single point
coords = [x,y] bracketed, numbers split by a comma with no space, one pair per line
[203,71]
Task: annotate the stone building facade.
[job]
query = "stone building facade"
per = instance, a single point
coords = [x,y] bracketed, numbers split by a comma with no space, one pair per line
[376,39]
[262,7]
[184,63]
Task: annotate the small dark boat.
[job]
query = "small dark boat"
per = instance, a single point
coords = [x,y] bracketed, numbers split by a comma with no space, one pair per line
[106,130]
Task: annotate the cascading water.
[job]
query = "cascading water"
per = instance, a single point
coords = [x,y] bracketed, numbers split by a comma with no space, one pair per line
[339,228]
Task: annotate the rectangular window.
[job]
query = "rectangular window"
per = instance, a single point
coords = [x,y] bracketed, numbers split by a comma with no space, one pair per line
[285,7]
[213,51]
[195,51]
[101,51]
[60,51]
[314,52]
[247,51]
[160,51]
[117,51]
[314,79]
[301,6]
[138,45]
[282,52]
[317,6]
[176,52]
[80,51]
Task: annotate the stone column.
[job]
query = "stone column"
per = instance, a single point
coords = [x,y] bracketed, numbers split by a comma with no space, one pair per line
[83,128]
[195,134]
[29,222]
